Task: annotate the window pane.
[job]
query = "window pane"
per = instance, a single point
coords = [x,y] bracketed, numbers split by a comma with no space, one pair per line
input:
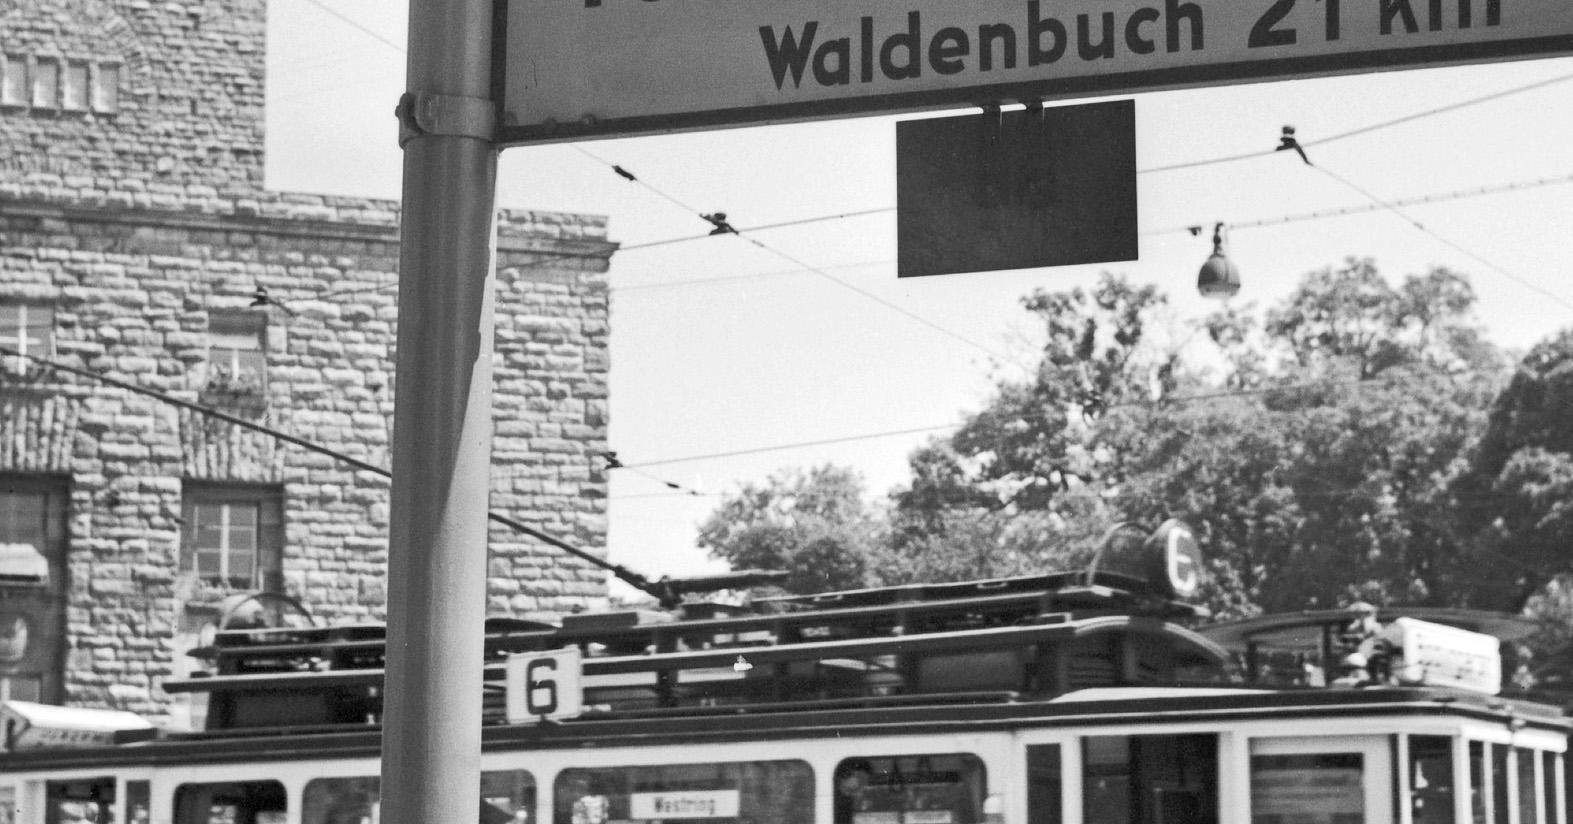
[81,800]
[1150,779]
[21,688]
[46,84]
[106,88]
[22,516]
[1043,784]
[507,797]
[1477,786]
[1431,779]
[910,789]
[340,801]
[14,91]
[1317,788]
[210,563]
[1526,786]
[74,92]
[1499,778]
[760,792]
[239,802]
[138,802]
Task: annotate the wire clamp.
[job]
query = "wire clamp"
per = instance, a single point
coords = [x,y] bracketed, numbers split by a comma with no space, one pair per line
[421,113]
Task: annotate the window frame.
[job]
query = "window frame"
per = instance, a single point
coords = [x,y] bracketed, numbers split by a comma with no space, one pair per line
[228,361]
[18,333]
[267,551]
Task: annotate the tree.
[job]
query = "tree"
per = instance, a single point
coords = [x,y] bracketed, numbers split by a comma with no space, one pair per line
[815,525]
[1514,498]
[1312,450]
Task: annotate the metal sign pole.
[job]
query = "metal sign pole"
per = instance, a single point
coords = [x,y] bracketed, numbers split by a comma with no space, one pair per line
[431,744]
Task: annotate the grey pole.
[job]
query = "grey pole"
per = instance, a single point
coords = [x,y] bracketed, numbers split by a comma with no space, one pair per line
[431,745]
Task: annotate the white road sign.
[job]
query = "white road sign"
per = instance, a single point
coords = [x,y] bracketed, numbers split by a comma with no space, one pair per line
[544,685]
[582,68]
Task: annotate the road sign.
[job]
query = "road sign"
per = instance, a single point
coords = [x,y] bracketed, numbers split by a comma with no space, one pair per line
[1016,190]
[543,685]
[570,69]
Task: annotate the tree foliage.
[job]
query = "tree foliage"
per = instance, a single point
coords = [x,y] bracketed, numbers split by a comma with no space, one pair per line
[1514,498]
[813,524]
[1333,448]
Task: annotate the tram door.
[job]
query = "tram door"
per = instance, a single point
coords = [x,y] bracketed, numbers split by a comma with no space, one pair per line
[1315,780]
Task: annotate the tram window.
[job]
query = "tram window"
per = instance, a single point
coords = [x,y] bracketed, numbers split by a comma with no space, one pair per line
[1556,796]
[747,792]
[1150,779]
[506,796]
[910,789]
[1043,784]
[234,802]
[1431,779]
[1527,809]
[80,801]
[1499,778]
[7,805]
[139,796]
[340,801]
[1313,788]
[1477,786]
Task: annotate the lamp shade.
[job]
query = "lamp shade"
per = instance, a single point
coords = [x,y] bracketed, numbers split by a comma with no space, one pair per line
[1219,277]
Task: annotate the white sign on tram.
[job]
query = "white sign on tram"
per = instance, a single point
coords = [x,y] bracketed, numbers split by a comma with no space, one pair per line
[544,685]
[575,68]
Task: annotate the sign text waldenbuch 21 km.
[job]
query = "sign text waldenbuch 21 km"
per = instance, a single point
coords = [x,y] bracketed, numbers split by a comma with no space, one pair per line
[572,69]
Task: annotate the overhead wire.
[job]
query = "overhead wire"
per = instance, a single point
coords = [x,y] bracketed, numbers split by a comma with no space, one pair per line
[1454,245]
[1221,394]
[722,226]
[1408,118]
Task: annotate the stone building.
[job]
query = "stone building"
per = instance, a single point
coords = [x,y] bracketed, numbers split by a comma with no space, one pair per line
[137,242]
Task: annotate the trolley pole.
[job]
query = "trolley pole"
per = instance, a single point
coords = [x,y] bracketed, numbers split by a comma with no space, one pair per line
[442,434]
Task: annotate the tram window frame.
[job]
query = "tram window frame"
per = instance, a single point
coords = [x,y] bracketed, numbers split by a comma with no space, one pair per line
[1432,783]
[1045,784]
[7,804]
[259,802]
[1501,801]
[1555,792]
[1480,811]
[859,774]
[1528,806]
[139,802]
[1155,782]
[516,786]
[98,790]
[773,791]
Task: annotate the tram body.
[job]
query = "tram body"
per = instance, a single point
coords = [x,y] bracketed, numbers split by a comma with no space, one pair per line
[1062,699]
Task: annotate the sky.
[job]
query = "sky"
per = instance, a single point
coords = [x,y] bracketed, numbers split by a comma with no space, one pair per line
[732,360]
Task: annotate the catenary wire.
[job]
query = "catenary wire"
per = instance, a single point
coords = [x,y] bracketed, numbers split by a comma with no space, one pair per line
[1177,399]
[1526,283]
[723,227]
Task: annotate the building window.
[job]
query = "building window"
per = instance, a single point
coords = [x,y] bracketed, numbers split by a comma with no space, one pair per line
[106,88]
[13,87]
[74,91]
[233,536]
[32,610]
[237,362]
[26,330]
[46,83]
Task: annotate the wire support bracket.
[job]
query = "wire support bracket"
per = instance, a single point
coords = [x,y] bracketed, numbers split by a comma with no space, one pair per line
[423,113]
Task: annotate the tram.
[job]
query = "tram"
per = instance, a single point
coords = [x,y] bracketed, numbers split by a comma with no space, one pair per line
[1088,697]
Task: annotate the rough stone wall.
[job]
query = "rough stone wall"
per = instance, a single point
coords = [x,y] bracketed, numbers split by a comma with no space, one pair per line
[182,121]
[133,293]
